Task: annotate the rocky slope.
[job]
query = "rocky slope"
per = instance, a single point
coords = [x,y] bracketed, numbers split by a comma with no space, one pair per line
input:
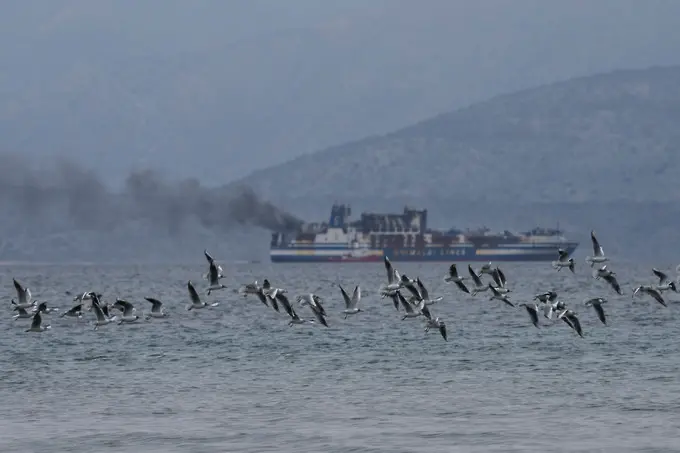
[603,138]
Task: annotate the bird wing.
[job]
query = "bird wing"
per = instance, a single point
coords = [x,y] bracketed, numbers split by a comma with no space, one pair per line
[657,296]
[453,272]
[155,303]
[390,271]
[193,294]
[597,248]
[423,291]
[345,296]
[408,308]
[475,277]
[208,257]
[600,312]
[442,330]
[462,286]
[37,320]
[356,296]
[662,276]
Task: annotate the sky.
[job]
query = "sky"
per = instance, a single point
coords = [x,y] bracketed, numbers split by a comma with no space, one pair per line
[218,89]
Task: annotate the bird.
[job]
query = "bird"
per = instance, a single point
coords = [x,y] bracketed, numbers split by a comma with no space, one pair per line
[532,309]
[282,299]
[663,278]
[295,319]
[563,260]
[42,307]
[22,313]
[411,287]
[499,279]
[249,288]
[453,277]
[128,311]
[411,311]
[486,269]
[196,301]
[351,302]
[499,296]
[569,317]
[437,324]
[610,278]
[425,294]
[314,303]
[102,318]
[596,303]
[156,308]
[598,252]
[214,274]
[393,277]
[656,295]
[546,296]
[479,285]
[36,324]
[23,295]
[76,311]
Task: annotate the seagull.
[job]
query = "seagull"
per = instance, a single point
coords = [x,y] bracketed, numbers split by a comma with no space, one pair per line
[295,319]
[36,324]
[76,312]
[42,307]
[282,299]
[608,276]
[156,309]
[598,252]
[351,302]
[214,274]
[102,319]
[437,324]
[499,296]
[667,286]
[409,285]
[569,317]
[563,261]
[652,292]
[663,278]
[665,283]
[545,297]
[424,293]
[552,306]
[250,288]
[314,303]
[23,295]
[479,285]
[393,277]
[22,313]
[596,303]
[128,309]
[413,312]
[532,309]
[486,269]
[499,279]
[195,299]
[453,277]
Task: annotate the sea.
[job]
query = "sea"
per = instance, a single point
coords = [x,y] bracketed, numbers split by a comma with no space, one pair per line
[237,378]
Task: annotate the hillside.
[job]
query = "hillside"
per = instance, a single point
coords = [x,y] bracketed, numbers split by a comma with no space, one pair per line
[215,89]
[602,138]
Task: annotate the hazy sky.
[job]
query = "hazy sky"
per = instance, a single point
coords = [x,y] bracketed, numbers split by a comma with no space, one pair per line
[217,89]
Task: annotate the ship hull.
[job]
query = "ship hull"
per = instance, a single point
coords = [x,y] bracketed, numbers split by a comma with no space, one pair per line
[463,253]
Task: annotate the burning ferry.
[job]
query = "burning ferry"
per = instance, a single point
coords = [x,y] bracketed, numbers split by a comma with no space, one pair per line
[406,237]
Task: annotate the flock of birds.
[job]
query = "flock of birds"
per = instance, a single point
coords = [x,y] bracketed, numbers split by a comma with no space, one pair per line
[408,294]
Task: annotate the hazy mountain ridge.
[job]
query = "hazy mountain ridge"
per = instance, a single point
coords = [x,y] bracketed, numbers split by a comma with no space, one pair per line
[608,137]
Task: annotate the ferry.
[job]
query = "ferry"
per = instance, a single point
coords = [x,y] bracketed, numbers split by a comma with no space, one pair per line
[406,237]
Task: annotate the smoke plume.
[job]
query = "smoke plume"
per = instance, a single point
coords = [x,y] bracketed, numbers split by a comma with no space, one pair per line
[63,194]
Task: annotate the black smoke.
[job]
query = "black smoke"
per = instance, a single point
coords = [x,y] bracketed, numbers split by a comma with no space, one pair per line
[62,192]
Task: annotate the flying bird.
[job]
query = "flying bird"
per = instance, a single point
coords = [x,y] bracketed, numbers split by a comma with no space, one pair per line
[351,302]
[532,310]
[563,260]
[455,278]
[596,303]
[598,252]
[214,274]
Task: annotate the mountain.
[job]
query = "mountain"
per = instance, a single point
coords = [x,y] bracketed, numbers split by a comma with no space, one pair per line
[214,90]
[603,138]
